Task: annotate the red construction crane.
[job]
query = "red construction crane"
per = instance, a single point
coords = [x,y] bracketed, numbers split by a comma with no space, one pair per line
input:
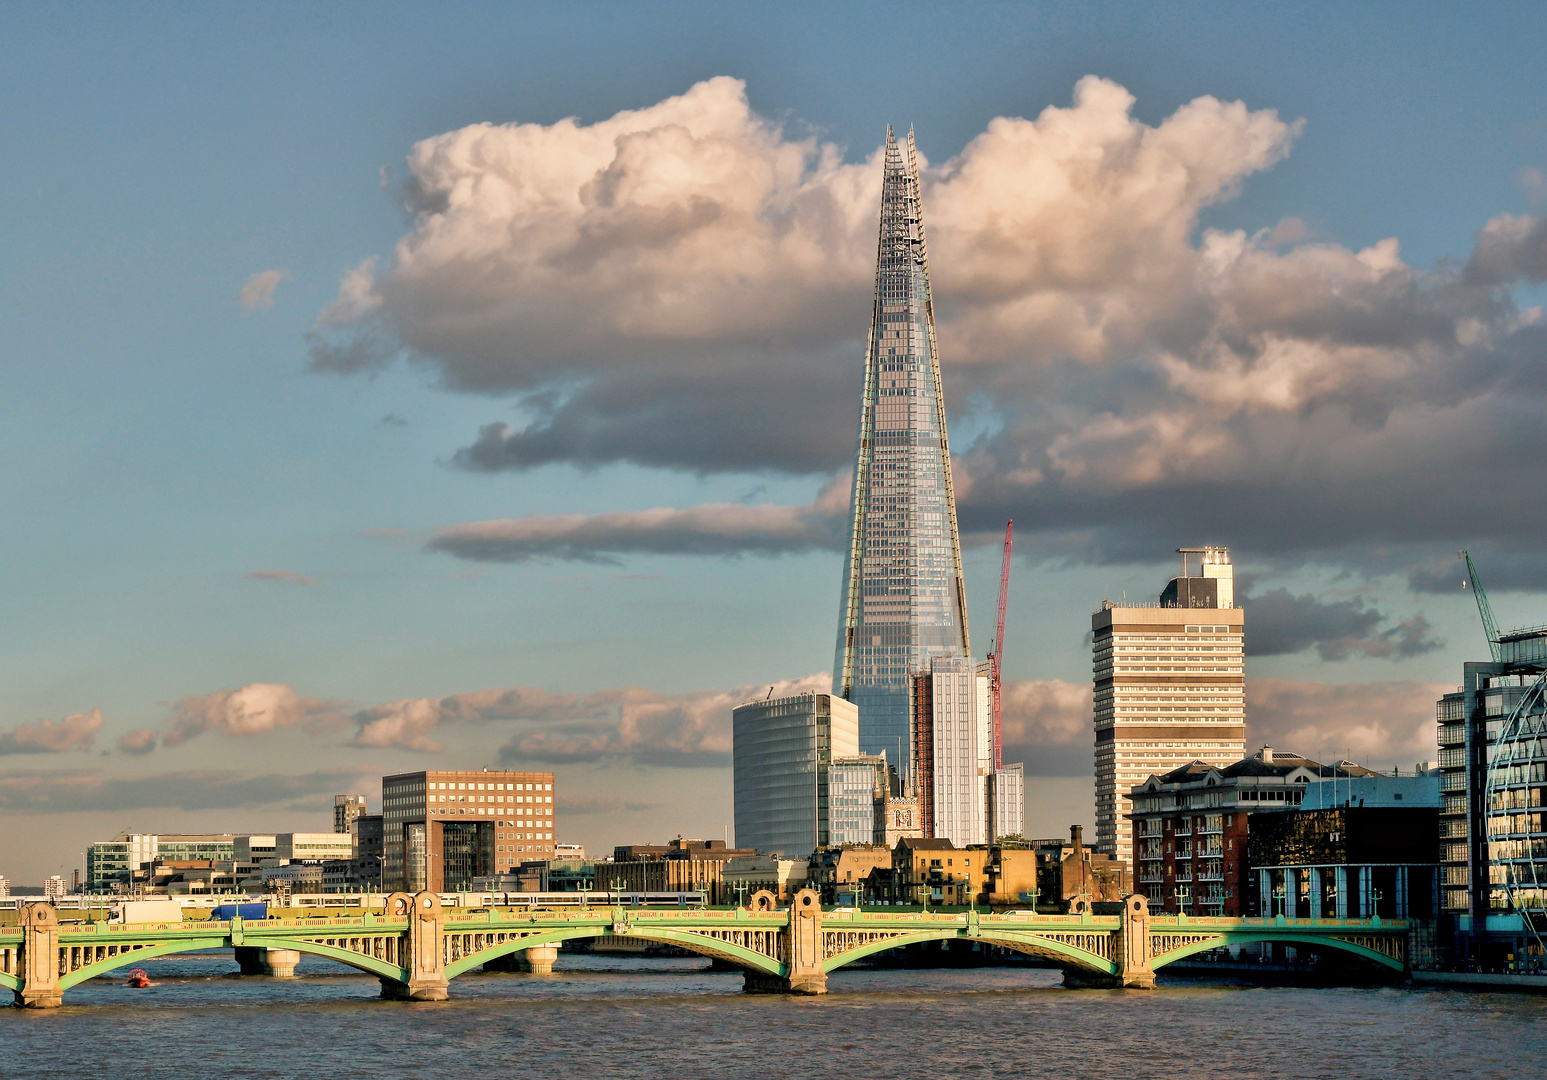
[997,654]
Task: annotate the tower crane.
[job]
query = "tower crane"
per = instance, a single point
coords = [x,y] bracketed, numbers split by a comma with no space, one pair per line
[997,654]
[1484,609]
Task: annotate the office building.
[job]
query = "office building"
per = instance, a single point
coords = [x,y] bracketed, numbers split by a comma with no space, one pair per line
[5,886]
[1169,687]
[1190,826]
[345,809]
[783,749]
[365,848]
[442,829]
[903,600]
[858,790]
[113,863]
[1493,784]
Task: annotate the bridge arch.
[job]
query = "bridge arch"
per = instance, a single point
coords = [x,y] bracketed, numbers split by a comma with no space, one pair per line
[369,965]
[1031,944]
[1315,942]
[715,948]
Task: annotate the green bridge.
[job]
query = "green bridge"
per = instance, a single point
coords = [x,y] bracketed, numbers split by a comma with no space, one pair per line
[415,946]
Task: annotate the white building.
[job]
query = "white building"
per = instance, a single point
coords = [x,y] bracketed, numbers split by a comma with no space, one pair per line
[1007,801]
[1169,688]
[783,748]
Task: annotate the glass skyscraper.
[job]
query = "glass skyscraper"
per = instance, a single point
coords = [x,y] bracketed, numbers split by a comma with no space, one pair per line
[904,600]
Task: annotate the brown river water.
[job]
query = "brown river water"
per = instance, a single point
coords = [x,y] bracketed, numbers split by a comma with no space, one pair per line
[617,1018]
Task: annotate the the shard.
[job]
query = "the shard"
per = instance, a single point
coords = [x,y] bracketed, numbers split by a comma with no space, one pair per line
[904,600]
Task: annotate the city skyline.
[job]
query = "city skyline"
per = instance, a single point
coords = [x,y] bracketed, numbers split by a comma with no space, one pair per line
[374,403]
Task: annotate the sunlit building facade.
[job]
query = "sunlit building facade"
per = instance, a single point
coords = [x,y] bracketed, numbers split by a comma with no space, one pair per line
[903,600]
[1169,688]
[783,750]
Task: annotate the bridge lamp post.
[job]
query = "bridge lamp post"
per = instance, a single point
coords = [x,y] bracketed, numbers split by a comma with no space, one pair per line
[1183,897]
[1279,902]
[1375,895]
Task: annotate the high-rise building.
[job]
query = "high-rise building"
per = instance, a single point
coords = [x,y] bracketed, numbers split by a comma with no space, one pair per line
[953,749]
[783,750]
[442,829]
[903,599]
[961,797]
[365,848]
[1493,784]
[1169,688]
[345,809]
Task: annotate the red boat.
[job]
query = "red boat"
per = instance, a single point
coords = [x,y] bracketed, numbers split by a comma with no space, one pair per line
[138,979]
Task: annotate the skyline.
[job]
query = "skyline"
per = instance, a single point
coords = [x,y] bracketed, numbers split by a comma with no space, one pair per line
[256,557]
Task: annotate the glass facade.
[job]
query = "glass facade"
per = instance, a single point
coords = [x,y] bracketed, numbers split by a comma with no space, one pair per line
[903,599]
[856,793]
[784,748]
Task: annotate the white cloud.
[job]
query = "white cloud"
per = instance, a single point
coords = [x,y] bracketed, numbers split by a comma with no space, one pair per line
[258,291]
[1380,724]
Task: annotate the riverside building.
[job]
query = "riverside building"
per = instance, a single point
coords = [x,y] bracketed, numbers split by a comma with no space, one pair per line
[783,749]
[1493,784]
[903,600]
[1169,687]
[442,829]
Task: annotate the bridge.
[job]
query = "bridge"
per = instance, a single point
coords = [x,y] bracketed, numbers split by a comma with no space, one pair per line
[416,946]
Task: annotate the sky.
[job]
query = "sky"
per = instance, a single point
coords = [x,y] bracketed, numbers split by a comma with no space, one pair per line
[463,385]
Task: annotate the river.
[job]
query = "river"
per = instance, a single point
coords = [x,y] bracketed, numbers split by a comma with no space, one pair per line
[619,1018]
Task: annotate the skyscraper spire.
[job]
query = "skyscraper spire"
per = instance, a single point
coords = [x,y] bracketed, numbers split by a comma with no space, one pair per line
[904,599]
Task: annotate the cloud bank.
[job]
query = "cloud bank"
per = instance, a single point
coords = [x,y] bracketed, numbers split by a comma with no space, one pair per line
[687,286]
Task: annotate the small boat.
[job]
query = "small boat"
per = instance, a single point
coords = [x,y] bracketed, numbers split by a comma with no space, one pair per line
[138,979]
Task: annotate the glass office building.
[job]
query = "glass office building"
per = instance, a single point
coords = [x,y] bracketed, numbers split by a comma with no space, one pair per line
[784,748]
[903,600]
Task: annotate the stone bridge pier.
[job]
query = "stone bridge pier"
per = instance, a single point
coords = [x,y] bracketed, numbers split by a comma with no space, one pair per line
[802,948]
[40,958]
[425,958]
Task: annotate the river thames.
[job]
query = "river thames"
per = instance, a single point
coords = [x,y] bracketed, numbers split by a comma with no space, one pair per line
[623,1018]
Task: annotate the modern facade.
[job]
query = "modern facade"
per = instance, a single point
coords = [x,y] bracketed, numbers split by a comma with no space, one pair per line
[783,749]
[345,809]
[1347,861]
[961,797]
[113,863]
[903,599]
[1006,801]
[1493,784]
[1190,826]
[857,794]
[442,829]
[1169,687]
[366,849]
[953,750]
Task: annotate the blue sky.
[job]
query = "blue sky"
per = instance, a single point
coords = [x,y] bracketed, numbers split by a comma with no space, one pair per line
[160,442]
